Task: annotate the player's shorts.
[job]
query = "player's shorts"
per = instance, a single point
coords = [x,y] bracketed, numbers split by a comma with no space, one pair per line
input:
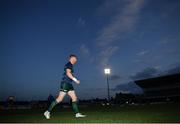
[66,87]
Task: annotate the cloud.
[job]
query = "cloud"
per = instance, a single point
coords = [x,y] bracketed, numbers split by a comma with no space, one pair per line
[129,87]
[151,72]
[102,58]
[174,69]
[81,22]
[85,53]
[109,8]
[106,54]
[146,73]
[115,77]
[143,53]
[170,39]
[171,44]
[122,22]
[84,50]
[123,18]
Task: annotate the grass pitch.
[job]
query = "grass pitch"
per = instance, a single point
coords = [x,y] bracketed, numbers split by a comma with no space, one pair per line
[161,113]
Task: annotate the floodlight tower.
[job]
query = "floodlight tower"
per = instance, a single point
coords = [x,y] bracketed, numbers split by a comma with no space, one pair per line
[107,72]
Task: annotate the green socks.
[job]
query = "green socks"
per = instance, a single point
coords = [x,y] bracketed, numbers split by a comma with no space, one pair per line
[75,107]
[53,104]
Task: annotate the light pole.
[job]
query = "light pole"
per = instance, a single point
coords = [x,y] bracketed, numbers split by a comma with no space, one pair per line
[107,72]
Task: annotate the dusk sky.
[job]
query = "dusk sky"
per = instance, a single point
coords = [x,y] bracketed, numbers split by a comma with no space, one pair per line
[137,39]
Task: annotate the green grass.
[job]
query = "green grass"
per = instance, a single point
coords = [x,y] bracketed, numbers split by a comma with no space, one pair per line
[160,113]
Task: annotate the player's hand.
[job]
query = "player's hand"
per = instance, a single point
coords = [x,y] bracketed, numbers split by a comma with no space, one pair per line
[78,81]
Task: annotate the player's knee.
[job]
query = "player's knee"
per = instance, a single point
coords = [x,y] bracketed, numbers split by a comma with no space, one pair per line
[59,99]
[74,99]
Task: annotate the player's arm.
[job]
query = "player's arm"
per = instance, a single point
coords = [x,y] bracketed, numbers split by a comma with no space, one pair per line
[69,74]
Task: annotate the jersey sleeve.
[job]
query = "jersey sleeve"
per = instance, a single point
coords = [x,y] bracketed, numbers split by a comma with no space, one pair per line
[68,66]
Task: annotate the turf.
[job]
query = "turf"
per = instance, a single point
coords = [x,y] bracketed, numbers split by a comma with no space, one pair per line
[160,113]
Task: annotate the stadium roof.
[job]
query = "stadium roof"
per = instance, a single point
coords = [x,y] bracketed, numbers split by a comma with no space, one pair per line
[162,81]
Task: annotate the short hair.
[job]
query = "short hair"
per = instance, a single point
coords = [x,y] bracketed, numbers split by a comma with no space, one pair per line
[72,55]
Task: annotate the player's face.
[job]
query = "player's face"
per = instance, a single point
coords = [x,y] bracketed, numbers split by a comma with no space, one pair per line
[73,60]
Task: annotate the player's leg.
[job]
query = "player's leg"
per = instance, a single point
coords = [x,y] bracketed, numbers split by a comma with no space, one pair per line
[58,100]
[54,103]
[73,96]
[74,101]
